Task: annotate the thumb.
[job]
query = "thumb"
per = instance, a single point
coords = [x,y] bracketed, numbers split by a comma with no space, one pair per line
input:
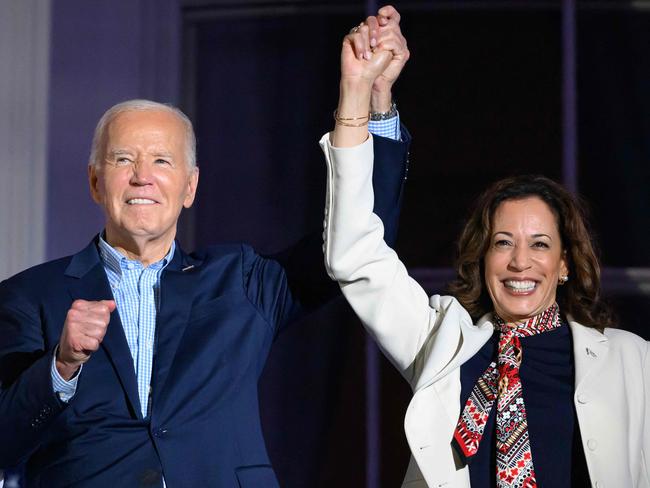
[110,304]
[380,60]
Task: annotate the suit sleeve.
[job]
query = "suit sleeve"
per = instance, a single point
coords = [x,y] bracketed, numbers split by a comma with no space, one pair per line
[391,166]
[28,403]
[392,306]
[287,285]
[646,431]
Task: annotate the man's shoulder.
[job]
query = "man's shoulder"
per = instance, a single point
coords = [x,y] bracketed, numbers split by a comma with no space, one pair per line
[35,284]
[224,251]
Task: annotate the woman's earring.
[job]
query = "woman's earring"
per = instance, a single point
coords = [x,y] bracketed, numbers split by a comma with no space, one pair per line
[563,279]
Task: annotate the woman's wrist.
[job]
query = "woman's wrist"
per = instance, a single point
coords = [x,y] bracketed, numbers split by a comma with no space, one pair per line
[354,99]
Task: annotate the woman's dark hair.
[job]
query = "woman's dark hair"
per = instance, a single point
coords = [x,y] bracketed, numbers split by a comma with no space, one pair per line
[580,296]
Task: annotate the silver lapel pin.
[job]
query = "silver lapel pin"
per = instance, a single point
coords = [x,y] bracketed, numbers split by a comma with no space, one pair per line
[187,268]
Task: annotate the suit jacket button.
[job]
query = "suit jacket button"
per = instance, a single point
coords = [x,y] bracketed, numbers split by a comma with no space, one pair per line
[592,444]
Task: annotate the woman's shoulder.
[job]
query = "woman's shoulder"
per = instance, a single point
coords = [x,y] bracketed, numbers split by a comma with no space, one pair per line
[614,335]
[625,339]
[621,342]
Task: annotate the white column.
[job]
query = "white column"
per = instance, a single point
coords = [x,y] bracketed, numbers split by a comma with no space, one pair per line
[24,80]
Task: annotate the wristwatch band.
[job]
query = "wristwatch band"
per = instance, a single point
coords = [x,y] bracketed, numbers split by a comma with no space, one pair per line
[385,115]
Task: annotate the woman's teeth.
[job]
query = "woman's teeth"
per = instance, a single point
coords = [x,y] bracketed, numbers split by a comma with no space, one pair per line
[521,286]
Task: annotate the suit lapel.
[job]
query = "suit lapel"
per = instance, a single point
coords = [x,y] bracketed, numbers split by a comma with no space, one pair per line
[590,350]
[90,283]
[177,290]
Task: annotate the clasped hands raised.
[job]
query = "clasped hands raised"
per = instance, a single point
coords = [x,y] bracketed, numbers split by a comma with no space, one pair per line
[375,51]
[372,57]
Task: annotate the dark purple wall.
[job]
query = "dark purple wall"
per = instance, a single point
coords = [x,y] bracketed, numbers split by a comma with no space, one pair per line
[102,52]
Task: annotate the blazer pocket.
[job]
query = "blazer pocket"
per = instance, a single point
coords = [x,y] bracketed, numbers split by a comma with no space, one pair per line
[260,476]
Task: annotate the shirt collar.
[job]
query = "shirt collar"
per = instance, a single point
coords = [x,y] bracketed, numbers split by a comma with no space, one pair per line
[116,261]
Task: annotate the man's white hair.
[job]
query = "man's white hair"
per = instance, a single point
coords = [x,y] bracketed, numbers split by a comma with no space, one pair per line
[99,138]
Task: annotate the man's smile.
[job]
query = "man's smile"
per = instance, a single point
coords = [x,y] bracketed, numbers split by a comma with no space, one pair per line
[140,201]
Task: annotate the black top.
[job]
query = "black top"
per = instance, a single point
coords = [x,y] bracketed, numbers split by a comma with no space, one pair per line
[547,379]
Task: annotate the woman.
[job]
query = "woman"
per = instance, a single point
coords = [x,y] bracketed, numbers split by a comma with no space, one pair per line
[518,379]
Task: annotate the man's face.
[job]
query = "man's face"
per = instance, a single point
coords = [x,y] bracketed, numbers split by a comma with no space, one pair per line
[143,180]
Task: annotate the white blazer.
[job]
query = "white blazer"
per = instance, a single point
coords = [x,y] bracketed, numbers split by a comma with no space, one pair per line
[428,339]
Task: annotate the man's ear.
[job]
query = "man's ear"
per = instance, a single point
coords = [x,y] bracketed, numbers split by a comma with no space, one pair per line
[93,182]
[192,184]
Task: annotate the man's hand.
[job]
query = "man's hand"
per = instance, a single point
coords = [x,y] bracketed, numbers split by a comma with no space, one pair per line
[83,332]
[385,34]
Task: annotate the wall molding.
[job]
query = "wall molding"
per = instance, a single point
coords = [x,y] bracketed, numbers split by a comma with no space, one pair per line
[24,56]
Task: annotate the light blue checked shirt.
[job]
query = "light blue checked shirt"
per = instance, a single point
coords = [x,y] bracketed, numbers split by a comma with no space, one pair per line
[389,128]
[136,290]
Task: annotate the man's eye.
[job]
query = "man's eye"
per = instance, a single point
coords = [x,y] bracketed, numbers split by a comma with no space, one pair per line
[123,161]
[163,161]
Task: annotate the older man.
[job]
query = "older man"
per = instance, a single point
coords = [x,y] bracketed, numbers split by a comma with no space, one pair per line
[132,363]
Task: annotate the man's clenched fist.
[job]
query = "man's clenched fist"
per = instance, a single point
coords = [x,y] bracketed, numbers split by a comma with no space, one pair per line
[83,332]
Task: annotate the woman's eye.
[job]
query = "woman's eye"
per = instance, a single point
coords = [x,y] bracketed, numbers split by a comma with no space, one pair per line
[541,245]
[502,243]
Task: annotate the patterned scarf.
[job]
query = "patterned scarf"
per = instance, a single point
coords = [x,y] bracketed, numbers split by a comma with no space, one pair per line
[501,382]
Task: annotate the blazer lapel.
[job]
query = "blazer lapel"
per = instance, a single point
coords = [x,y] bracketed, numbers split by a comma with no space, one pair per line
[177,290]
[590,350]
[91,284]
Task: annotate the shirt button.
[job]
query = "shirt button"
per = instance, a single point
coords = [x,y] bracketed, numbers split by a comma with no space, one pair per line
[592,444]
[582,398]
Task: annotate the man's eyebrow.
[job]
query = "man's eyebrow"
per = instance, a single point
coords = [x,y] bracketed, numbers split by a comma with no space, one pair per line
[118,150]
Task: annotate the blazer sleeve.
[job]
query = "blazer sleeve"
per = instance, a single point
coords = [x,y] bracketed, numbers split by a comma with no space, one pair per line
[646,432]
[28,403]
[392,306]
[289,284]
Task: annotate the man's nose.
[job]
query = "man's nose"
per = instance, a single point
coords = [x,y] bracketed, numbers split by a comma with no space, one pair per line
[142,172]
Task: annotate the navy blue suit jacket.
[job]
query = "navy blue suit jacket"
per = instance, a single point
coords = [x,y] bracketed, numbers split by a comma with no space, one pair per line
[220,311]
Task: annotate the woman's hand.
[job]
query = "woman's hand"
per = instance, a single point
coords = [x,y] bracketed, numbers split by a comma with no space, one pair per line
[361,62]
[372,56]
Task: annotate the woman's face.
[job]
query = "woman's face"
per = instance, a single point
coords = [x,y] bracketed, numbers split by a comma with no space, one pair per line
[524,260]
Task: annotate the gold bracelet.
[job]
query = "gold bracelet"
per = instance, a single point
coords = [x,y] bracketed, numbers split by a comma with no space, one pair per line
[345,124]
[344,121]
